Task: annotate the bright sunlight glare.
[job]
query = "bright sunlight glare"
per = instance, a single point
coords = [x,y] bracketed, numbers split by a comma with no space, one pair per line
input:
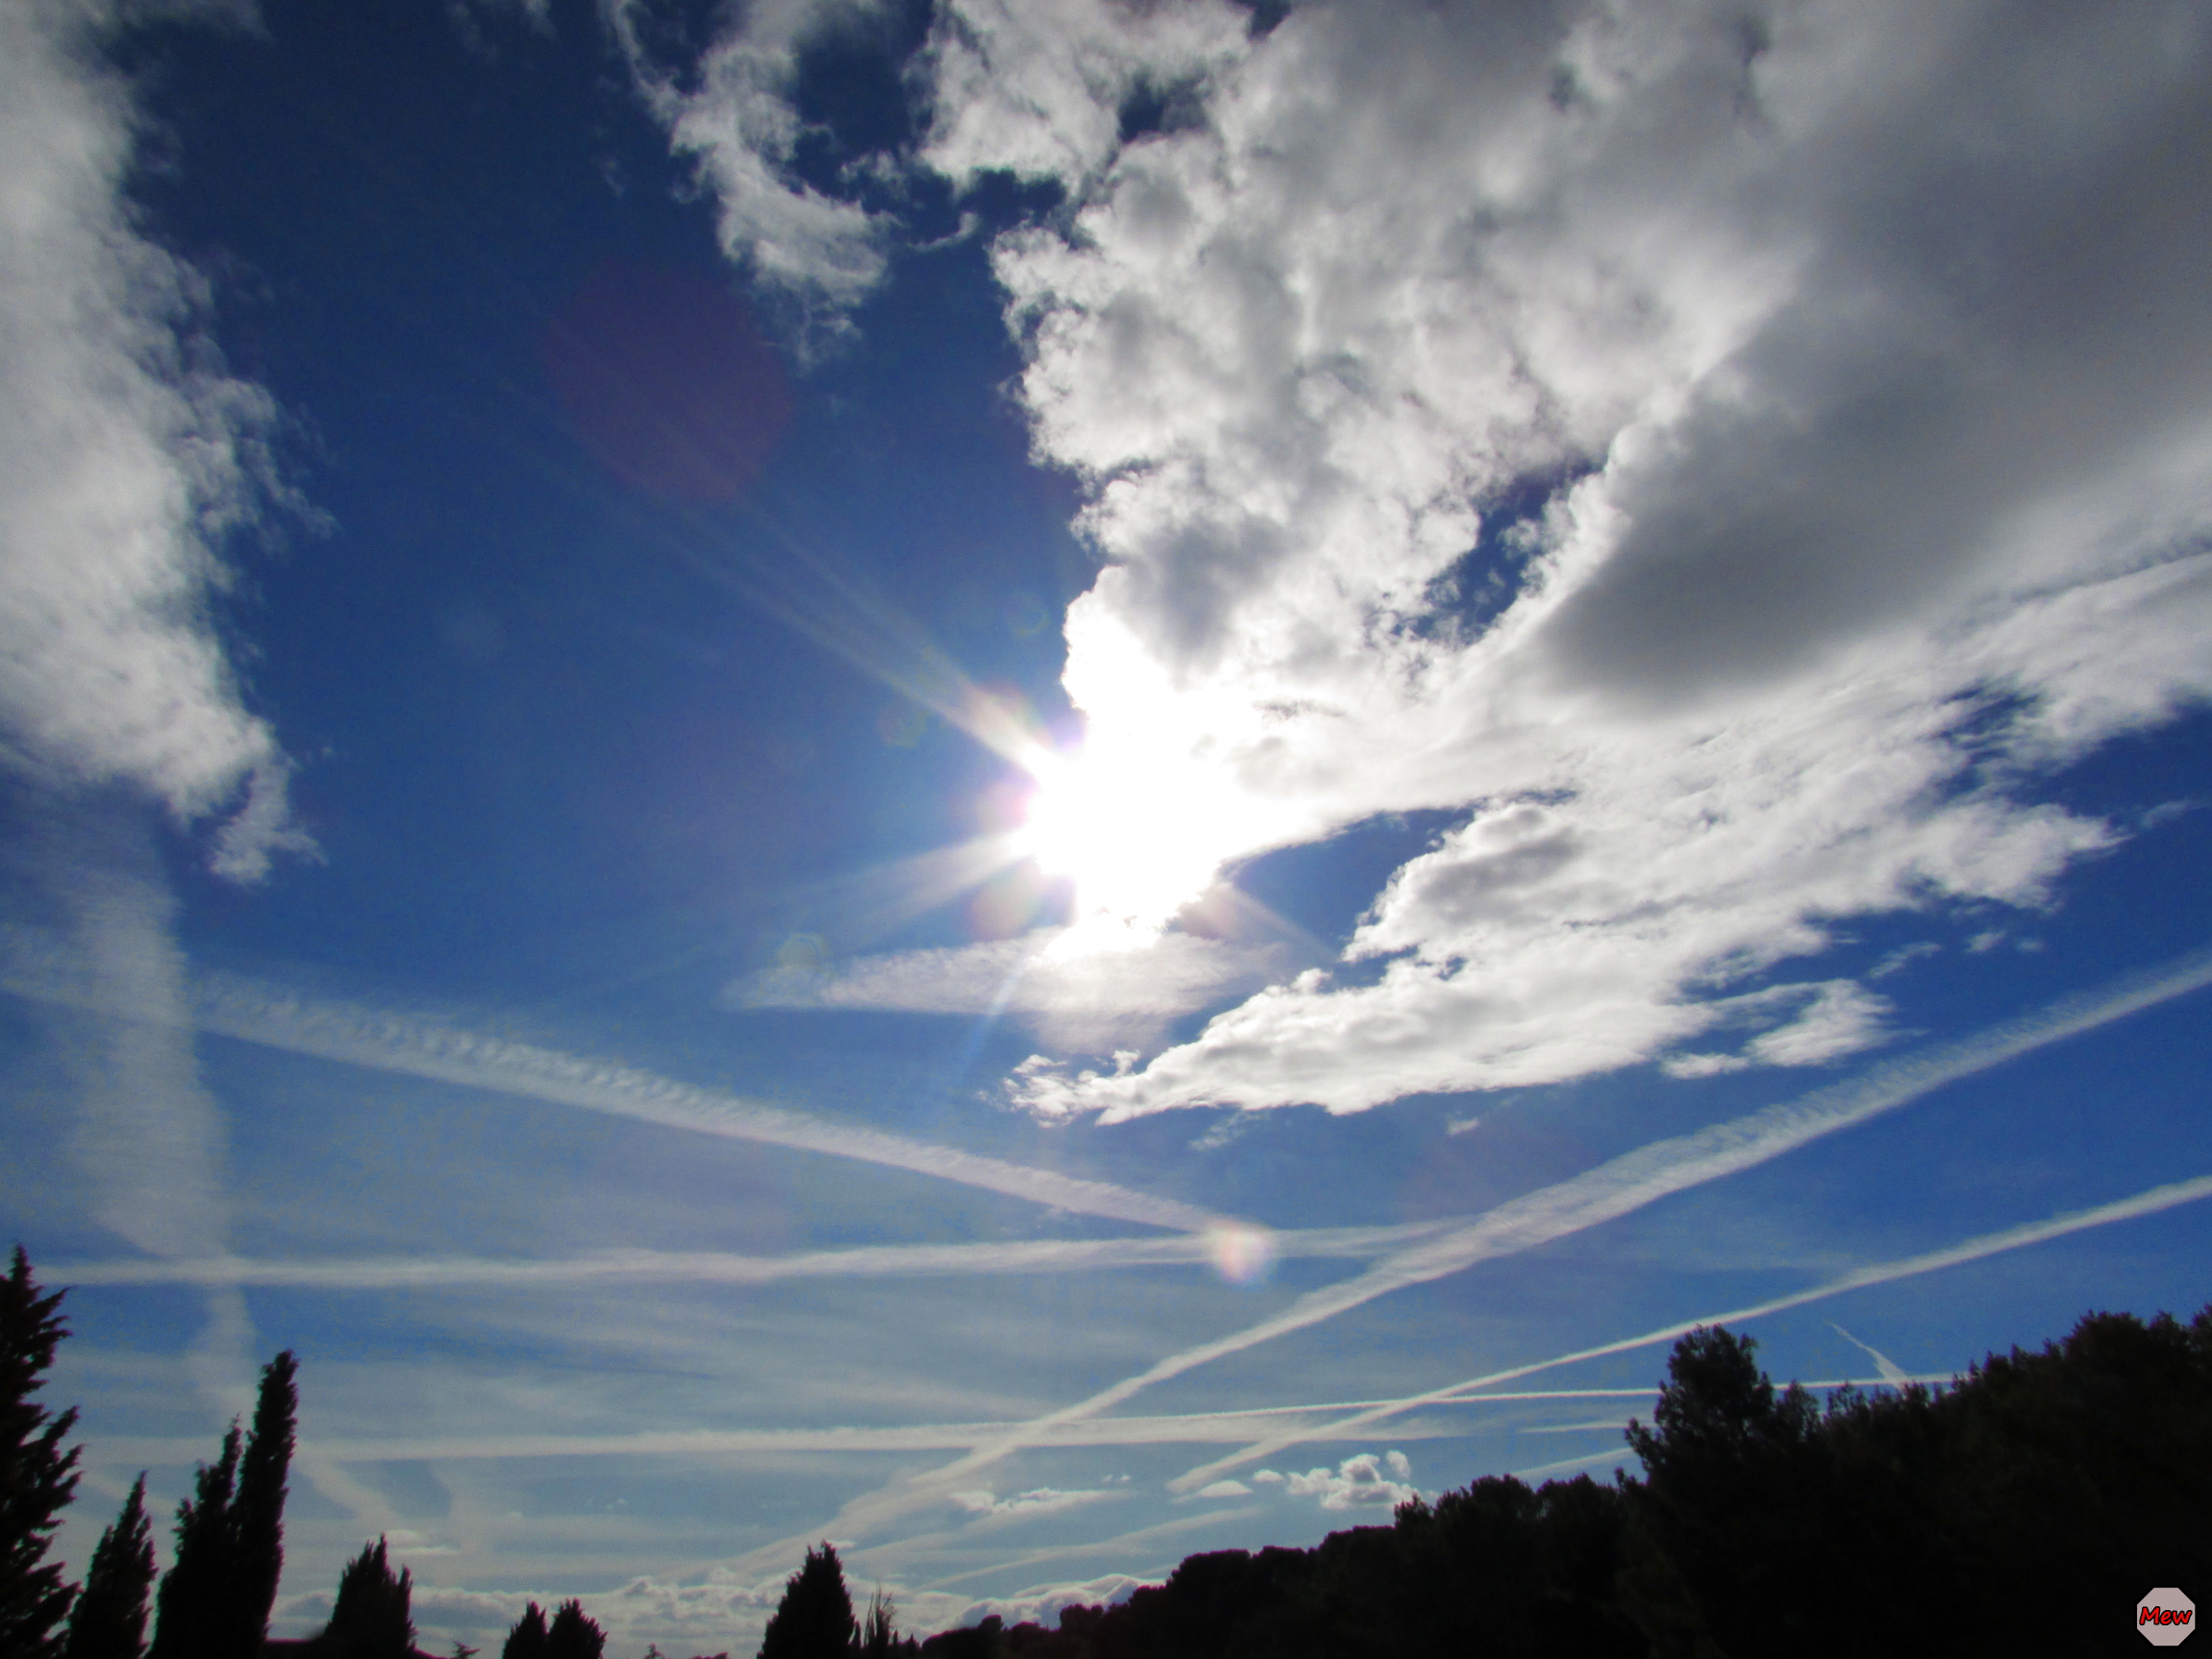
[1137,852]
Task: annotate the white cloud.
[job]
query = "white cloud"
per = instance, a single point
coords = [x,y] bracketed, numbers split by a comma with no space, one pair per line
[126,455]
[1876,350]
[1042,1606]
[1356,1483]
[1037,89]
[1043,1501]
[731,112]
[1225,1489]
[1093,1002]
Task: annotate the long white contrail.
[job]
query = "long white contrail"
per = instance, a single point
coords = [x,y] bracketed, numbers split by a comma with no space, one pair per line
[1610,1190]
[1193,1428]
[395,1042]
[2149,1204]
[717,1266]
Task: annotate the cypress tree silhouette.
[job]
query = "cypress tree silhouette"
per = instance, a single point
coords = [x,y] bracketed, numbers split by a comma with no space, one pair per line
[215,1601]
[814,1619]
[187,1608]
[110,1619]
[572,1636]
[256,1512]
[527,1639]
[372,1617]
[37,1477]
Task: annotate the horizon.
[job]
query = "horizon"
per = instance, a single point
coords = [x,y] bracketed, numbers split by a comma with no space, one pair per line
[1041,786]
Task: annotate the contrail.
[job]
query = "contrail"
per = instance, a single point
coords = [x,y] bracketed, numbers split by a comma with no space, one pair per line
[1893,1374]
[1195,1428]
[392,1042]
[2147,1203]
[1612,1190]
[714,1266]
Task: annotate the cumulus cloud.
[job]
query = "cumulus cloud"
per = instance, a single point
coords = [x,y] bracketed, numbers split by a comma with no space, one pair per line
[1731,453]
[127,454]
[1356,1483]
[1092,1002]
[731,112]
[1041,88]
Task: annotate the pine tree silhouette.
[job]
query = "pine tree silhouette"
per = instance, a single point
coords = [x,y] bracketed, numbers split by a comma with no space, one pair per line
[572,1636]
[257,1511]
[214,1603]
[527,1639]
[37,1477]
[814,1619]
[110,1619]
[188,1607]
[372,1617]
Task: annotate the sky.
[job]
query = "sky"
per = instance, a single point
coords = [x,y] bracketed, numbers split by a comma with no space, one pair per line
[1041,784]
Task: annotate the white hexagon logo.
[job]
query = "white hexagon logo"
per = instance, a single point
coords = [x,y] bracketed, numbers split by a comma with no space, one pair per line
[2165,1617]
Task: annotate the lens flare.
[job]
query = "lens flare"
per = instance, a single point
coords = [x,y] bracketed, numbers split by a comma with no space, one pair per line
[1242,1255]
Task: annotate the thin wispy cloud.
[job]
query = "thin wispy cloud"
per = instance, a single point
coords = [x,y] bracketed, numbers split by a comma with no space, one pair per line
[732,113]
[1093,1001]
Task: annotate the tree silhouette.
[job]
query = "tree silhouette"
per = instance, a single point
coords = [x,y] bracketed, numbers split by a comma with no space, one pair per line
[371,1618]
[37,1477]
[1734,1476]
[214,1603]
[527,1639]
[187,1608]
[110,1619]
[572,1636]
[256,1512]
[878,1636]
[814,1619]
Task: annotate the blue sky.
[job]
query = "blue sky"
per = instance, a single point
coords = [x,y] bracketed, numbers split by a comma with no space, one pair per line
[1045,784]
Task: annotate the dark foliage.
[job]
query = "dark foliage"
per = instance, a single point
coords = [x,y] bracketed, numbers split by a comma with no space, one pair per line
[879,1637]
[187,1609]
[814,1619]
[2023,1511]
[214,1603]
[110,1619]
[257,1511]
[37,1477]
[527,1639]
[572,1636]
[372,1617]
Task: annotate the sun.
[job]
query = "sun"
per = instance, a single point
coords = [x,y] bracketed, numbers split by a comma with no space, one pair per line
[1135,847]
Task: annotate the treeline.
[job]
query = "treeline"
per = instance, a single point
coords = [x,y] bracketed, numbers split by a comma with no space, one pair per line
[2025,1509]
[213,1602]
